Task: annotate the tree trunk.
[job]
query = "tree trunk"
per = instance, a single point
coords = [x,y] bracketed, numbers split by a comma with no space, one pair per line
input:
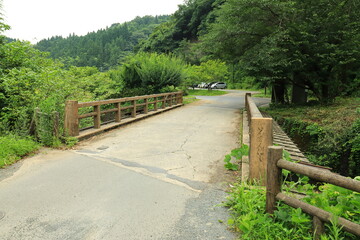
[299,95]
[325,93]
[278,93]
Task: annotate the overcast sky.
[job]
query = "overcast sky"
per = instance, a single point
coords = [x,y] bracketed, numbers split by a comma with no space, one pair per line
[34,20]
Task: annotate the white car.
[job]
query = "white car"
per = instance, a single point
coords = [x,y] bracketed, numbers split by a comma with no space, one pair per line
[201,85]
[218,85]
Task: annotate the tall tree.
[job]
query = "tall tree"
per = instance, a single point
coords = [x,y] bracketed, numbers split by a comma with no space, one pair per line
[310,44]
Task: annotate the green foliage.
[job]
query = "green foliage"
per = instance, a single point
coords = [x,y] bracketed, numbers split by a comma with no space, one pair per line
[186,24]
[104,48]
[247,206]
[237,154]
[28,79]
[12,148]
[329,135]
[210,71]
[339,201]
[151,72]
[70,141]
[229,165]
[313,45]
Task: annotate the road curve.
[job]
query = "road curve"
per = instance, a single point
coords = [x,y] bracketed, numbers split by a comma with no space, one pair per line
[160,178]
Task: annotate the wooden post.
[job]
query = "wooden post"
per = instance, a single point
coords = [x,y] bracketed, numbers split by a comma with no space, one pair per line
[71,123]
[246,100]
[181,98]
[97,117]
[155,104]
[164,102]
[133,112]
[171,100]
[118,112]
[247,107]
[273,177]
[260,139]
[146,109]
[318,227]
[56,121]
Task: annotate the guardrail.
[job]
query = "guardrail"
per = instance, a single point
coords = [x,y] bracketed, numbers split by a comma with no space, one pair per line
[261,136]
[275,165]
[119,106]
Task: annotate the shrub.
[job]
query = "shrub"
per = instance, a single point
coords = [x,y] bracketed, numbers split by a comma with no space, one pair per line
[12,148]
[151,72]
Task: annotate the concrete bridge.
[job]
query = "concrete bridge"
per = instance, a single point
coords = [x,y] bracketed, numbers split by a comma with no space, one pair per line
[159,178]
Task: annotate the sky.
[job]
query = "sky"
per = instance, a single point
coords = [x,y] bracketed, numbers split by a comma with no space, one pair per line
[34,20]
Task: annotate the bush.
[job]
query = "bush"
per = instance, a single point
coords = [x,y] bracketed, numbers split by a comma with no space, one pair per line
[150,72]
[12,148]
[28,79]
[247,208]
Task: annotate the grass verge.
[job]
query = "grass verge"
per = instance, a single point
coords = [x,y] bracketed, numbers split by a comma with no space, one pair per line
[342,113]
[329,135]
[201,92]
[189,99]
[12,148]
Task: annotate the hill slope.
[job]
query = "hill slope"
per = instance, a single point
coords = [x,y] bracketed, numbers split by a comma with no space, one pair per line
[105,47]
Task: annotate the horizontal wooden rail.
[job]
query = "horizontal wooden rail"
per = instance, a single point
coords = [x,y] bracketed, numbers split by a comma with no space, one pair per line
[260,132]
[117,106]
[318,212]
[275,165]
[319,174]
[251,107]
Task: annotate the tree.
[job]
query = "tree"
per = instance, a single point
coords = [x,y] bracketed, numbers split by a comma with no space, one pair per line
[183,30]
[310,45]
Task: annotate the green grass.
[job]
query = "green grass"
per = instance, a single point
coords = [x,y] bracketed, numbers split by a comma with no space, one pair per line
[12,148]
[341,114]
[189,99]
[328,134]
[262,94]
[206,92]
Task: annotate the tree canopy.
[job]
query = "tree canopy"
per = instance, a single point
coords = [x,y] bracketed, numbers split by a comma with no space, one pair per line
[311,45]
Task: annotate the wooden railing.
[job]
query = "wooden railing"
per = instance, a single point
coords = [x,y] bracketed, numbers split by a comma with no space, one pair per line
[261,136]
[119,107]
[266,166]
[275,165]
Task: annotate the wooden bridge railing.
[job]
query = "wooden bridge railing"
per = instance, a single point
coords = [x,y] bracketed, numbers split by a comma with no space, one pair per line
[266,164]
[261,136]
[275,165]
[120,105]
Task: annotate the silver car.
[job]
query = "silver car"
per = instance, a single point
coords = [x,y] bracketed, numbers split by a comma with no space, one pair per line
[218,85]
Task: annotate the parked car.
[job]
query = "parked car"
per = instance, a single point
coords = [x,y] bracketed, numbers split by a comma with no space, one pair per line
[201,85]
[208,85]
[218,85]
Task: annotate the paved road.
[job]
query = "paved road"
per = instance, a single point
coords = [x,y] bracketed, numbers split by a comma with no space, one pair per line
[160,178]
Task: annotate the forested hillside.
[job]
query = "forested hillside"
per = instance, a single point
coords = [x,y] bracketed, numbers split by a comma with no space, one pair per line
[104,48]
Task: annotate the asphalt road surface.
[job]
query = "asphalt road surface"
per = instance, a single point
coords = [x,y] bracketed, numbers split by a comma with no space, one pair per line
[160,178]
